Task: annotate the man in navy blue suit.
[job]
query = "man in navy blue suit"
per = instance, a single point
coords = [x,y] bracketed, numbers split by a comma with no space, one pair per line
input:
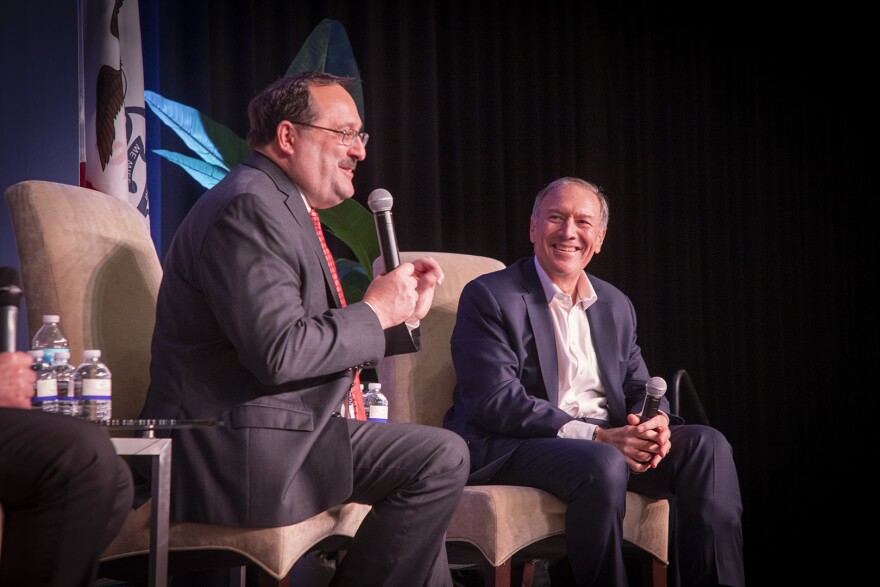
[550,382]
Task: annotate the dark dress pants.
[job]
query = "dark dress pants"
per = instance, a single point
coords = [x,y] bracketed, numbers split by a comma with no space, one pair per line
[65,494]
[592,478]
[413,476]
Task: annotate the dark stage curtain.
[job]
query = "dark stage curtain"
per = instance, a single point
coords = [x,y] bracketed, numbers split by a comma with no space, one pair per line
[730,142]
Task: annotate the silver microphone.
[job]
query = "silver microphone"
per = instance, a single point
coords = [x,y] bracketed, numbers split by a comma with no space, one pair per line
[380,202]
[10,300]
[655,387]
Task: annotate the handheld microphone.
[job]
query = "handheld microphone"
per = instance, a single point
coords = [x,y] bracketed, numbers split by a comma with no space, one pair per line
[655,387]
[10,299]
[380,202]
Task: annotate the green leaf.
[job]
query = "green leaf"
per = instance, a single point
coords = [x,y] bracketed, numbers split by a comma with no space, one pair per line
[328,50]
[215,143]
[354,279]
[351,223]
[206,174]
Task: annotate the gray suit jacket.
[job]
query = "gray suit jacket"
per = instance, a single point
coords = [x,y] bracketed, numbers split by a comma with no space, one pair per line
[504,353]
[249,331]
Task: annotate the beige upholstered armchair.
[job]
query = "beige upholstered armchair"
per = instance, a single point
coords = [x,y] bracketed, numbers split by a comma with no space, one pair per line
[89,258]
[502,529]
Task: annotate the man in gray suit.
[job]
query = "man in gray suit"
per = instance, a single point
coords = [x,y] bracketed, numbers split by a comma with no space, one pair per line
[550,384]
[250,330]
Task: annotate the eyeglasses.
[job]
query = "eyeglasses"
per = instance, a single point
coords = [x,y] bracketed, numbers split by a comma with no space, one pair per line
[347,136]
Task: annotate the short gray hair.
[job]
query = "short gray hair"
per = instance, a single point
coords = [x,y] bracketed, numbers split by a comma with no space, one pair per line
[563,181]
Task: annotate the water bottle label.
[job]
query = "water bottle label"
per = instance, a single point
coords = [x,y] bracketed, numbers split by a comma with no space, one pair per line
[49,352]
[378,413]
[96,388]
[47,388]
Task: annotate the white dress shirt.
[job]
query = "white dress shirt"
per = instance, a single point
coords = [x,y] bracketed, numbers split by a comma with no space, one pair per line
[581,394]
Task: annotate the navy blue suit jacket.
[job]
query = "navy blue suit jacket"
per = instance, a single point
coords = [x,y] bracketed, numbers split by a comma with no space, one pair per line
[504,354]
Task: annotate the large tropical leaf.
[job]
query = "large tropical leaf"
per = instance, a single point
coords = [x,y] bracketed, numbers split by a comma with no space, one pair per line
[213,142]
[206,174]
[328,50]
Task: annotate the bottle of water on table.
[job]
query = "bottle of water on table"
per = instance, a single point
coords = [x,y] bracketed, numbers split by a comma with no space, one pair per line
[378,403]
[92,382]
[45,396]
[69,403]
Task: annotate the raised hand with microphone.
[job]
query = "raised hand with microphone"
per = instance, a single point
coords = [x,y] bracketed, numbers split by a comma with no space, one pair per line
[406,288]
[16,376]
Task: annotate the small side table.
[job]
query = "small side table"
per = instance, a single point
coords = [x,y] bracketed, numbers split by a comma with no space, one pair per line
[159,452]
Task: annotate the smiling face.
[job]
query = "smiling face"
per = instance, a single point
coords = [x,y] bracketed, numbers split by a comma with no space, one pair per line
[567,231]
[322,166]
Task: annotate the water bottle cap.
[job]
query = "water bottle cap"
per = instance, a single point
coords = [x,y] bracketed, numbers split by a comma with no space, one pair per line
[91,354]
[51,318]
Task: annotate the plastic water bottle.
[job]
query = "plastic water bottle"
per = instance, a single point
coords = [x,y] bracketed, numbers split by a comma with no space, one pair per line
[45,396]
[92,382]
[69,403]
[378,411]
[49,337]
[368,397]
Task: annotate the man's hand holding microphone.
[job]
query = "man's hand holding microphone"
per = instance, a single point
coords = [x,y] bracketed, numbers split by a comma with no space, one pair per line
[404,292]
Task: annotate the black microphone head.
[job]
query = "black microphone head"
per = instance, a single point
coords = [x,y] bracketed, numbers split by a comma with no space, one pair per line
[655,386]
[380,201]
[10,287]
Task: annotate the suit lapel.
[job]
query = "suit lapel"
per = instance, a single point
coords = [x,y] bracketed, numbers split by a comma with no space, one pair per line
[296,206]
[542,327]
[604,335]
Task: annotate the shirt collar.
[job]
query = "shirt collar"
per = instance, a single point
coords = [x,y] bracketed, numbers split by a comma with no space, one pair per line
[302,195]
[584,294]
